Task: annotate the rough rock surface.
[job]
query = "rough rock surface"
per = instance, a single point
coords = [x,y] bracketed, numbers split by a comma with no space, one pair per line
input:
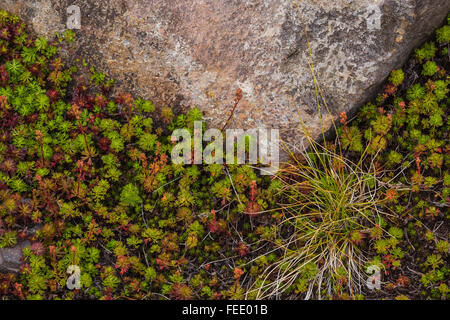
[198,52]
[11,258]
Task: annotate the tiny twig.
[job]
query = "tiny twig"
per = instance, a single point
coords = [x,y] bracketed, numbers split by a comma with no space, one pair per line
[236,102]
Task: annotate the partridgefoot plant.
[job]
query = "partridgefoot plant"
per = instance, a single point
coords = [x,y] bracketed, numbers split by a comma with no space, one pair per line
[86,179]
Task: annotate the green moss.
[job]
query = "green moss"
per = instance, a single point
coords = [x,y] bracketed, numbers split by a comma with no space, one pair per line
[429,69]
[397,77]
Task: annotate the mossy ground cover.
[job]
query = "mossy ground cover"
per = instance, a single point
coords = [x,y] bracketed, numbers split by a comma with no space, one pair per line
[92,171]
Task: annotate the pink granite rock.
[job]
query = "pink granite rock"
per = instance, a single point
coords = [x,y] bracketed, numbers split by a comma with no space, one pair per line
[197,53]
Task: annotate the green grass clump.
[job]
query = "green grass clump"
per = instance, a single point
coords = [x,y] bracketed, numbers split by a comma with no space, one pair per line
[330,207]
